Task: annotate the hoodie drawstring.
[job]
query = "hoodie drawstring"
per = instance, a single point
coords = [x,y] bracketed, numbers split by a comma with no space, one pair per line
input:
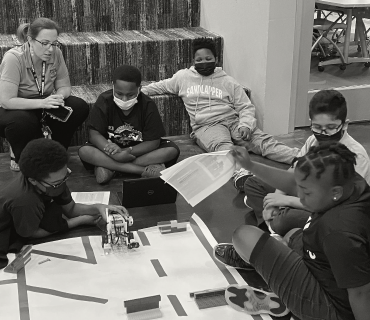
[209,96]
[196,104]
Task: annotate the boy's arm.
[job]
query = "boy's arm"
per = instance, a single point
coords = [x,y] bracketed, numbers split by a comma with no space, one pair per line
[162,87]
[362,167]
[278,178]
[244,107]
[350,264]
[301,153]
[96,138]
[40,233]
[98,124]
[281,199]
[145,147]
[359,299]
[73,210]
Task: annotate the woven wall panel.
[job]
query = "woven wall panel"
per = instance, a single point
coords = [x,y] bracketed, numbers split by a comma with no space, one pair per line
[101,15]
[91,57]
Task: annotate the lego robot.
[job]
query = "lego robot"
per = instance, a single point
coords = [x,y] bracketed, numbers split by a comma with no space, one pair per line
[117,232]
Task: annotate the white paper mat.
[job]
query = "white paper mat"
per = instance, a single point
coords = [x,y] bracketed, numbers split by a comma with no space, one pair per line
[80,282]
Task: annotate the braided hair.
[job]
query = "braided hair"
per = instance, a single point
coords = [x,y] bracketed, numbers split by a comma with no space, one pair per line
[318,158]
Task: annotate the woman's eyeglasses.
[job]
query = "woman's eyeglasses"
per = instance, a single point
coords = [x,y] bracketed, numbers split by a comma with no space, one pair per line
[47,45]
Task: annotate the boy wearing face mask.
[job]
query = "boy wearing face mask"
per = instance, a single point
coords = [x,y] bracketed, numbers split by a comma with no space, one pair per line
[125,132]
[221,113]
[38,203]
[328,113]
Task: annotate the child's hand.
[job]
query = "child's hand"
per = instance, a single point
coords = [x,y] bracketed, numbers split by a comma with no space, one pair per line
[241,156]
[111,148]
[276,200]
[124,156]
[245,133]
[269,213]
[119,209]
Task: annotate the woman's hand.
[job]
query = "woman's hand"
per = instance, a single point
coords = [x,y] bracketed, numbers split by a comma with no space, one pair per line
[53,101]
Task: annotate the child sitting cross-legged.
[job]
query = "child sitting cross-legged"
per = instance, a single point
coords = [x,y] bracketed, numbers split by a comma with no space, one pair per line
[125,131]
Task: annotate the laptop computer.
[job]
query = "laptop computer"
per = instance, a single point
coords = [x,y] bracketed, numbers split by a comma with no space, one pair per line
[141,192]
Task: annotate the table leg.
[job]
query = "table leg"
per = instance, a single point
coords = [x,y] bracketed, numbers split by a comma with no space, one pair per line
[347,39]
[362,34]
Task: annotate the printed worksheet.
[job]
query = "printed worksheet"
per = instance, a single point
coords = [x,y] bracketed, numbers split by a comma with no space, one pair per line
[197,177]
[91,197]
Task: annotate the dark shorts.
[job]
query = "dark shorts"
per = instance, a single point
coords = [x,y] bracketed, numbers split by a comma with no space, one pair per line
[165,143]
[287,275]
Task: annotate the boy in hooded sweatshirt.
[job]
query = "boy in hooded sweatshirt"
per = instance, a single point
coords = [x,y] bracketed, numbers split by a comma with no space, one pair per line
[220,111]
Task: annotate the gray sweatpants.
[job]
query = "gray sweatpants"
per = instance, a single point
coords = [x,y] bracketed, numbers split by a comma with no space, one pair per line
[223,135]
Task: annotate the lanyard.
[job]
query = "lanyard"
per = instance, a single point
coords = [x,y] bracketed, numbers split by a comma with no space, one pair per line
[45,129]
[40,89]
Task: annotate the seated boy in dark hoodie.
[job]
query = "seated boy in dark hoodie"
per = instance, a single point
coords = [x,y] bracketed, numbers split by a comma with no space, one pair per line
[221,113]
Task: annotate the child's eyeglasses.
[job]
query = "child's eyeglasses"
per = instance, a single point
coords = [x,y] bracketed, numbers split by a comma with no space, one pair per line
[328,131]
[69,172]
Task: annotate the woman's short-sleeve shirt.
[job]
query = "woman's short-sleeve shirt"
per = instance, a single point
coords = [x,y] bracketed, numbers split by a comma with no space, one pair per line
[16,68]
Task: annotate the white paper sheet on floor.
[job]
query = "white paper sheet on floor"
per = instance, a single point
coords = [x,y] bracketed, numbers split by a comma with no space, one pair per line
[80,282]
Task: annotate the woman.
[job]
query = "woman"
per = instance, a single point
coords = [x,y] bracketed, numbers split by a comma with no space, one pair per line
[34,79]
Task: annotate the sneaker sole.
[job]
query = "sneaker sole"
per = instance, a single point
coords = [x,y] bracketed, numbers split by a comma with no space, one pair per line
[104,180]
[246,204]
[225,264]
[244,298]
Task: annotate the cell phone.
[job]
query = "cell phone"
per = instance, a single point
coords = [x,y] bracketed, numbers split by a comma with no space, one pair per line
[61,114]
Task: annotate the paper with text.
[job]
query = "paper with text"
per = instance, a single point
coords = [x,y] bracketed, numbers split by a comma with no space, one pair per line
[195,178]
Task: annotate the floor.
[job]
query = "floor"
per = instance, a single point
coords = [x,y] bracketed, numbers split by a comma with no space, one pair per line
[222,212]
[356,74]
[333,77]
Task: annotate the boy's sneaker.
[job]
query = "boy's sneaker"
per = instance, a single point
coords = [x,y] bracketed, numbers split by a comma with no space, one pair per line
[153,170]
[103,175]
[239,177]
[254,301]
[226,254]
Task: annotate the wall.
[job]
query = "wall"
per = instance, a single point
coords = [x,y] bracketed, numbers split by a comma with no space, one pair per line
[259,52]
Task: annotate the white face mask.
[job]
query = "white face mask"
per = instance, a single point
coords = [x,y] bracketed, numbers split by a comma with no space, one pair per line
[125,105]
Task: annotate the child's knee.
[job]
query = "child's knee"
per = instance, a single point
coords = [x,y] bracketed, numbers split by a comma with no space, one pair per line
[250,184]
[245,239]
[173,153]
[85,152]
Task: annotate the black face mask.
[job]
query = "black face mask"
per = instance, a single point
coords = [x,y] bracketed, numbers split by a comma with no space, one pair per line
[323,137]
[54,192]
[205,68]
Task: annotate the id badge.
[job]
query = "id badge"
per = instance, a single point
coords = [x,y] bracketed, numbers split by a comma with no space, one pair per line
[46,132]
